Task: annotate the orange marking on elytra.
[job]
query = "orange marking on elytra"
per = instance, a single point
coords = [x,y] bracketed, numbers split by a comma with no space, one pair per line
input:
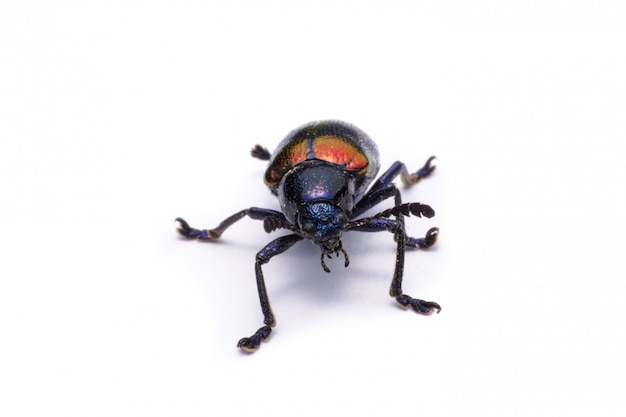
[287,159]
[337,150]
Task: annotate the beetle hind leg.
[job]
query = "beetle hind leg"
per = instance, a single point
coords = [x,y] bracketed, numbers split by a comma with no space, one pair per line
[423,172]
[384,187]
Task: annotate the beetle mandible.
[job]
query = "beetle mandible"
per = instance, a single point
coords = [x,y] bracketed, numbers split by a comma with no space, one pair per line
[320,173]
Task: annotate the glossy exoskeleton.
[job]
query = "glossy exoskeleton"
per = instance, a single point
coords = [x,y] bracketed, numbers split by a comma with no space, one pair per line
[321,172]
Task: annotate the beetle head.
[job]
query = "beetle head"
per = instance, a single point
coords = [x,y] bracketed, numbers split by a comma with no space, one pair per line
[323,222]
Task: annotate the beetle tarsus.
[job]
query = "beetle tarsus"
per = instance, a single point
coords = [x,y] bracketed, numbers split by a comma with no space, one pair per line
[427,169]
[423,172]
[419,306]
[261,153]
[191,233]
[424,242]
[252,343]
[407,209]
[274,223]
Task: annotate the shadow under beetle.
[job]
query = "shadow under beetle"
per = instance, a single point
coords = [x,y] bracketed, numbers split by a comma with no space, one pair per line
[320,173]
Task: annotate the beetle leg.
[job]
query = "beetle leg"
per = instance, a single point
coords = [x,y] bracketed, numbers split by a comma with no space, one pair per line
[384,187]
[399,168]
[419,306]
[418,210]
[275,247]
[190,232]
[378,224]
[373,197]
[423,172]
[383,190]
[250,344]
[424,242]
[261,153]
[272,220]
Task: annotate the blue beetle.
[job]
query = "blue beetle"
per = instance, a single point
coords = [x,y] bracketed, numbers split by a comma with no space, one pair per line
[320,173]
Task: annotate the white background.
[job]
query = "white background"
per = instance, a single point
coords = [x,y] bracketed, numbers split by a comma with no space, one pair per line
[118,116]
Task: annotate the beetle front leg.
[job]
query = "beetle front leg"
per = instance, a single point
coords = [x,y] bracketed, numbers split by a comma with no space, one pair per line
[419,306]
[272,220]
[423,242]
[376,224]
[275,247]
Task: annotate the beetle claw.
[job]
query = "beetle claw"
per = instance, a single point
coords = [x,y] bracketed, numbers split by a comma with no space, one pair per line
[191,233]
[427,169]
[187,231]
[419,306]
[423,242]
[423,172]
[252,343]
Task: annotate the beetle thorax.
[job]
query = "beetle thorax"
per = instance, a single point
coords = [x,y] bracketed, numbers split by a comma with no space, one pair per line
[314,182]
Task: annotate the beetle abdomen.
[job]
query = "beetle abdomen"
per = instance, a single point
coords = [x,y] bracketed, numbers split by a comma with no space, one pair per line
[332,141]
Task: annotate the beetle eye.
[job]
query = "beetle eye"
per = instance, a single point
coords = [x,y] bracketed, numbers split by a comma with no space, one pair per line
[342,218]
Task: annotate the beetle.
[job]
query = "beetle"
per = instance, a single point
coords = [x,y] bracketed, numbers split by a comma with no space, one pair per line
[320,173]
